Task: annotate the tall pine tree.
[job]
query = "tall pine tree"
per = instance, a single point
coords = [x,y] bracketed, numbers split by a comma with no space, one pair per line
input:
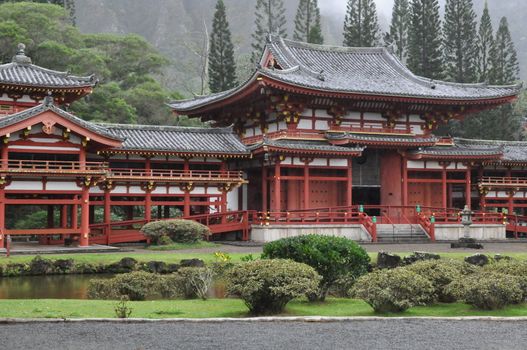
[270,19]
[424,39]
[459,41]
[505,68]
[222,67]
[398,36]
[307,22]
[485,44]
[361,25]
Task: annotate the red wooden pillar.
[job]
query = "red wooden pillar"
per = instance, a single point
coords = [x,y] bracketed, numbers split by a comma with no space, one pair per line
[349,184]
[85,217]
[5,156]
[223,206]
[186,199]
[404,182]
[82,158]
[2,217]
[64,217]
[148,193]
[307,188]
[107,215]
[468,189]
[482,193]
[264,188]
[444,190]
[74,214]
[277,187]
[510,204]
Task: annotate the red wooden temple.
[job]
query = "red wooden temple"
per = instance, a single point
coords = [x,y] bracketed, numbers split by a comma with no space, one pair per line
[317,135]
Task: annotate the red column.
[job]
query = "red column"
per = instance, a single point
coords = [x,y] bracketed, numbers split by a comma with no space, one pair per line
[82,158]
[74,215]
[404,182]
[148,193]
[264,188]
[444,189]
[107,215]
[510,206]
[2,217]
[186,203]
[468,190]
[5,156]
[349,183]
[277,187]
[85,217]
[64,217]
[307,188]
[223,206]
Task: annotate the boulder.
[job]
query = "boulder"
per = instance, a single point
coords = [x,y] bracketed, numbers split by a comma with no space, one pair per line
[477,259]
[499,257]
[420,256]
[156,267]
[171,268]
[125,265]
[192,263]
[64,265]
[39,266]
[388,261]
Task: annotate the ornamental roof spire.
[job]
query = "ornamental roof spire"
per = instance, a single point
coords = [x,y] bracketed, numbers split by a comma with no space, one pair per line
[20,56]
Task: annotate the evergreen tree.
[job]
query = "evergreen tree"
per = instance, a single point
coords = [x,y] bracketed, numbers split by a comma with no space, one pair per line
[361,26]
[505,68]
[398,36]
[270,19]
[424,39]
[485,44]
[459,41]
[307,22]
[222,67]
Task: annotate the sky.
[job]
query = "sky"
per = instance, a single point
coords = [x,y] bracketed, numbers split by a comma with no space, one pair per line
[338,7]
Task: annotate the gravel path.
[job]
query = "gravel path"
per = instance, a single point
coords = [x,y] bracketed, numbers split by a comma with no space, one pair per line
[379,334]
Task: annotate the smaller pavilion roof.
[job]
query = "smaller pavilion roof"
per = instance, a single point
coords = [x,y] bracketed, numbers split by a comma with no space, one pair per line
[303,146]
[380,139]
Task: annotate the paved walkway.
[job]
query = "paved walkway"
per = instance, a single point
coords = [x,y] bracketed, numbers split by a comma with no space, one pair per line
[391,334]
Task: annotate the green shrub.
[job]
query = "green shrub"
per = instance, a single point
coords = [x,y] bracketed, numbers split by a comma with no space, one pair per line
[510,267]
[195,281]
[266,286]
[332,257]
[165,240]
[488,291]
[179,231]
[440,273]
[393,290]
[135,285]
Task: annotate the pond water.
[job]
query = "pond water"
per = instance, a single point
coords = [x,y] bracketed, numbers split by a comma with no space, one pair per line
[63,287]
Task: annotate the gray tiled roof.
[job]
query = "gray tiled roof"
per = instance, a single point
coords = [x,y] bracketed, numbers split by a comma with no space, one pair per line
[31,112]
[177,139]
[388,139]
[305,145]
[372,71]
[22,72]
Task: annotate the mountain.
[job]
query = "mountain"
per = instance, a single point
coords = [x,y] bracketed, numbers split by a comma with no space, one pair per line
[178,28]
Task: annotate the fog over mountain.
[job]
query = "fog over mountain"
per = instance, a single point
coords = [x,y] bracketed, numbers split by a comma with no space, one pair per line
[178,27]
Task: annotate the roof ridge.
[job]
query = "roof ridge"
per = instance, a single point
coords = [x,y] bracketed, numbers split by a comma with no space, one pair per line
[496,142]
[227,129]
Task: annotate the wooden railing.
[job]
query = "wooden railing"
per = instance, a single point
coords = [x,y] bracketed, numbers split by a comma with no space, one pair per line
[503,181]
[371,130]
[176,174]
[39,166]
[232,221]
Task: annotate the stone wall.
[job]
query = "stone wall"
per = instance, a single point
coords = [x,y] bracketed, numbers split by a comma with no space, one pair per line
[479,232]
[273,233]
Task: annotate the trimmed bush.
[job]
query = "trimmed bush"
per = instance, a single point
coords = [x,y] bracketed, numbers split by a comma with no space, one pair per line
[135,285]
[510,267]
[179,231]
[393,290]
[488,291]
[332,257]
[266,286]
[165,240]
[440,273]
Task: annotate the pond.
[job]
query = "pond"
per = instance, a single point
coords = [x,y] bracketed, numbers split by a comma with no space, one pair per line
[63,287]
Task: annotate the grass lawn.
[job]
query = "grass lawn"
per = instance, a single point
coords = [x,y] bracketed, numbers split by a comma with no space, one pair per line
[175,257]
[49,308]
[181,246]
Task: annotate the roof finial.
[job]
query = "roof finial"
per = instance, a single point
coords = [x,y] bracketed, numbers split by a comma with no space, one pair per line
[21,57]
[48,101]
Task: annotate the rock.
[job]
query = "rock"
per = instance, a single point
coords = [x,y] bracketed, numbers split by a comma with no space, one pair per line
[63,265]
[171,268]
[39,266]
[466,245]
[420,256]
[192,263]
[388,261]
[88,268]
[125,265]
[499,257]
[156,267]
[477,259]
[467,240]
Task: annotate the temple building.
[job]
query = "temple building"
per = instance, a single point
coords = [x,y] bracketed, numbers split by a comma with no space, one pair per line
[316,135]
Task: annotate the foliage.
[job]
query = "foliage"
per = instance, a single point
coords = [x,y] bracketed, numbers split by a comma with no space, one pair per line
[332,257]
[180,231]
[270,19]
[424,39]
[513,268]
[459,43]
[307,22]
[122,310]
[440,273]
[361,26]
[266,286]
[485,43]
[222,67]
[165,240]
[398,35]
[393,290]
[505,67]
[488,291]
